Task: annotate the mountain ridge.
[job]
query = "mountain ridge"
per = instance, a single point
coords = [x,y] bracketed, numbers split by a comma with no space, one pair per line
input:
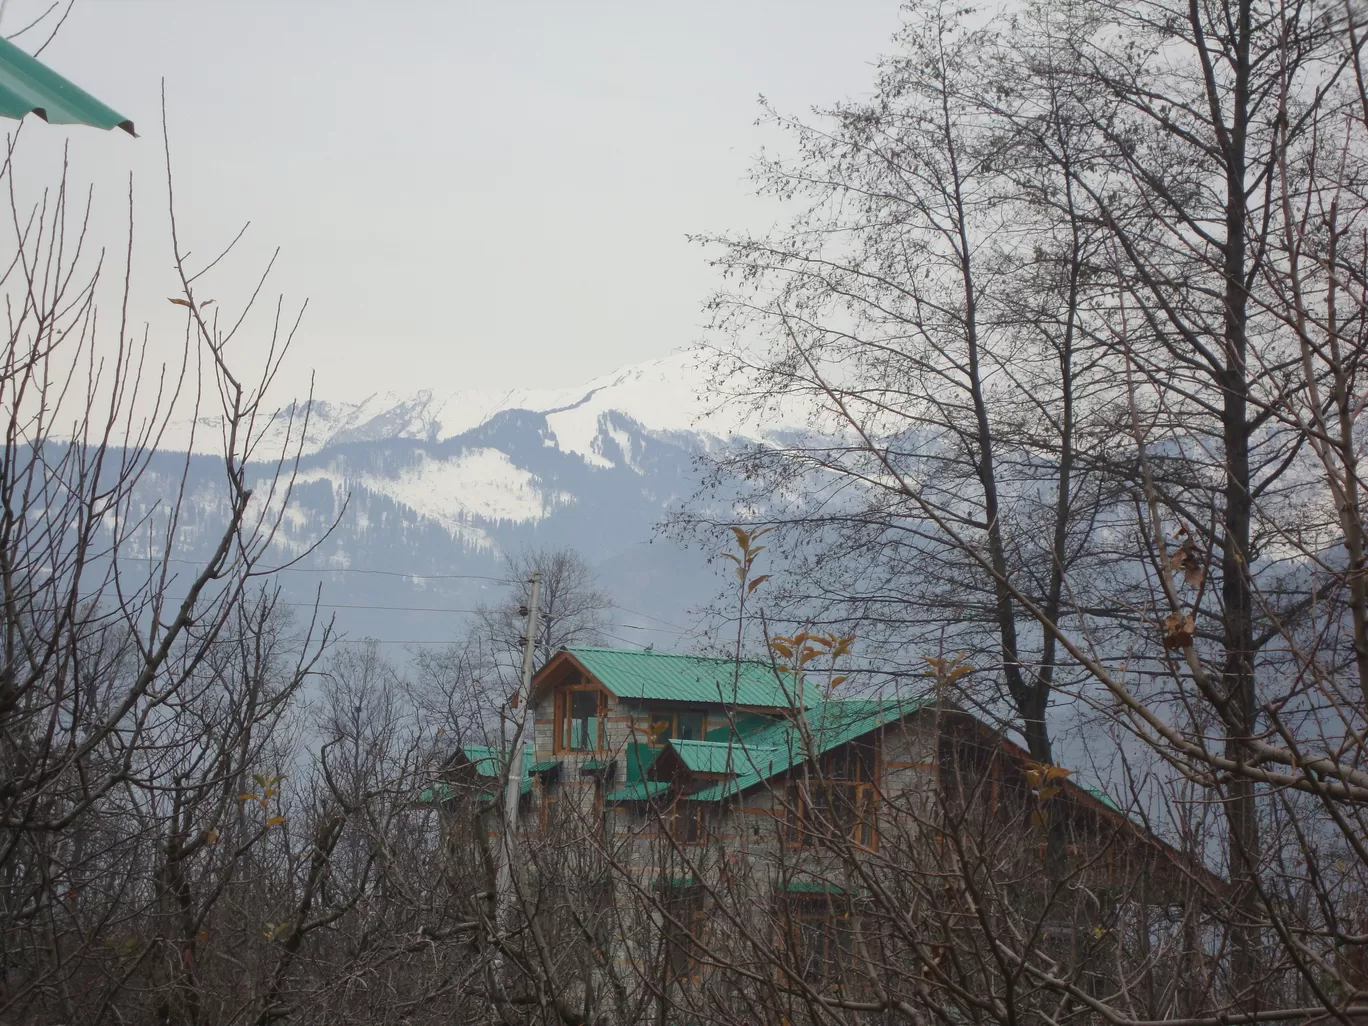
[440,488]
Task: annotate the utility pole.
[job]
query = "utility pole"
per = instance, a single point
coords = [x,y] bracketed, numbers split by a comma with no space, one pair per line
[508,840]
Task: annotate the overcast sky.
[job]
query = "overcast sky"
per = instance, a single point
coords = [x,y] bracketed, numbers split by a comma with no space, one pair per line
[468,194]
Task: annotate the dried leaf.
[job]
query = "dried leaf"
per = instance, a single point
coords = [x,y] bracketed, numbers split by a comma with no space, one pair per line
[1179,630]
[275,821]
[756,583]
[837,681]
[179,302]
[1187,560]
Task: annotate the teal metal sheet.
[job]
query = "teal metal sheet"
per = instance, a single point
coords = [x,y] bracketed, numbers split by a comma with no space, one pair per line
[436,794]
[639,791]
[27,86]
[487,763]
[1102,797]
[723,757]
[545,766]
[743,724]
[639,758]
[675,882]
[697,680]
[781,747]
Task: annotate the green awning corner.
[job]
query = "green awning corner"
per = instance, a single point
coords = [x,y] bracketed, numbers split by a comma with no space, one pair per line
[595,765]
[27,86]
[666,883]
[434,795]
[545,766]
[639,791]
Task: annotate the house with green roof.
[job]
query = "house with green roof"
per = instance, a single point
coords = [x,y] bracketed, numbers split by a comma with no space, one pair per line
[645,745]
[679,774]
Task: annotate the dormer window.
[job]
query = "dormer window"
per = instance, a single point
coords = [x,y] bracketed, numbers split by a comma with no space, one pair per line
[681,725]
[580,713]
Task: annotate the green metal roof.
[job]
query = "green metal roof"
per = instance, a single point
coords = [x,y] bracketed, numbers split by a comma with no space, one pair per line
[1102,797]
[487,763]
[812,887]
[640,755]
[743,724]
[545,766]
[700,680]
[435,793]
[28,86]
[639,791]
[444,792]
[672,882]
[722,757]
[595,765]
[780,747]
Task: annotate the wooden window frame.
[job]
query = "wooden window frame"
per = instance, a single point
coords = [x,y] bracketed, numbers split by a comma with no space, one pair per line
[861,794]
[654,716]
[809,916]
[562,708]
[547,817]
[694,815]
[687,905]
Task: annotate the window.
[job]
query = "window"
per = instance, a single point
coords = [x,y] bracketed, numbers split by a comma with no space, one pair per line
[550,814]
[837,802]
[819,935]
[686,725]
[683,927]
[580,713]
[688,822]
[689,726]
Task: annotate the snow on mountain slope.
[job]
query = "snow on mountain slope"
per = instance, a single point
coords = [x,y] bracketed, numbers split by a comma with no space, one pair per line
[666,396]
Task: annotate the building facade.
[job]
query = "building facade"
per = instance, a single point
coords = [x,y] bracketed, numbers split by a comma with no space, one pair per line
[689,826]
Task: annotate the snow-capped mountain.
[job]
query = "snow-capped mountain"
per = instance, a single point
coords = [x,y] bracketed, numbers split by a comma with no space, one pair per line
[433,485]
[666,395]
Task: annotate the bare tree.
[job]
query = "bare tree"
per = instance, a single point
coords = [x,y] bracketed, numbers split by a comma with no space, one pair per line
[574,608]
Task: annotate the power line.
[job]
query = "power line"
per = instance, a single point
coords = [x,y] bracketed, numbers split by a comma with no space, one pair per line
[637,612]
[342,570]
[388,573]
[449,609]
